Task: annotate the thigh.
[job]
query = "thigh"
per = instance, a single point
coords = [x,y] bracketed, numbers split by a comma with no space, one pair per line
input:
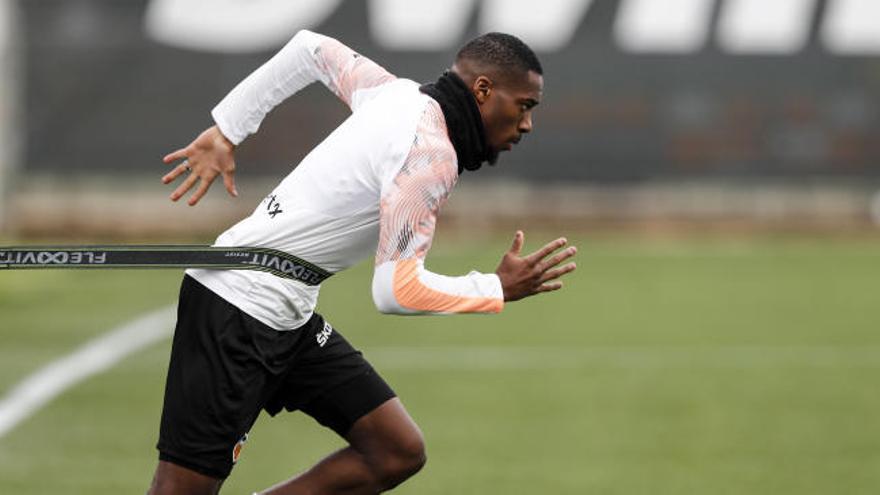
[219,378]
[330,380]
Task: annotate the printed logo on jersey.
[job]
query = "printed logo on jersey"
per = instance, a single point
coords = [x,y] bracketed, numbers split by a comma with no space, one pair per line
[324,335]
[236,451]
[273,207]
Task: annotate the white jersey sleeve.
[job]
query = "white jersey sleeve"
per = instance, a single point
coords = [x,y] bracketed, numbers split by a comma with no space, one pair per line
[308,57]
[408,214]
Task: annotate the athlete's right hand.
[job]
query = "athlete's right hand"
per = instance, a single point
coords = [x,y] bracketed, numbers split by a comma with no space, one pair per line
[523,276]
[208,156]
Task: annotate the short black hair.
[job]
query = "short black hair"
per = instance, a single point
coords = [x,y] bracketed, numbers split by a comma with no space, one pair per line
[502,50]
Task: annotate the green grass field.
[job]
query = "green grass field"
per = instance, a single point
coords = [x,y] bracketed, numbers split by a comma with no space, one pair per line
[686,366]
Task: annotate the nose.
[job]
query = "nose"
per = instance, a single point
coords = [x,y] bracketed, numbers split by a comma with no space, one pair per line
[525,125]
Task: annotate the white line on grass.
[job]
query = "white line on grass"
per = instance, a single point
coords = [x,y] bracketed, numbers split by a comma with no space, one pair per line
[93,357]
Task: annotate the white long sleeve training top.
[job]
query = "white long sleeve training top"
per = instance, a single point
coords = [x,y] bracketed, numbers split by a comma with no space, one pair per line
[374,185]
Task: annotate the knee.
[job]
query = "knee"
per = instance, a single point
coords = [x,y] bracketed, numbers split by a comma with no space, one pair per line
[402,461]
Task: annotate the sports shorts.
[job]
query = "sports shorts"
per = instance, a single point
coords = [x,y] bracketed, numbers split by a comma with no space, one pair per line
[226,367]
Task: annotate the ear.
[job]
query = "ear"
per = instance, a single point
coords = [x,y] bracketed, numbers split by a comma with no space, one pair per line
[482,88]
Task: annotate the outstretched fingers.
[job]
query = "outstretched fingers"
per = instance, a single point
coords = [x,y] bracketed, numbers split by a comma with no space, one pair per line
[518,241]
[229,182]
[187,184]
[524,276]
[175,173]
[550,269]
[549,287]
[537,256]
[557,272]
[175,155]
[180,169]
[557,258]
[208,156]
[203,188]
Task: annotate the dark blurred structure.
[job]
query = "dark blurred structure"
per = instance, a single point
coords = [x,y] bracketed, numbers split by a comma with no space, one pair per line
[103,97]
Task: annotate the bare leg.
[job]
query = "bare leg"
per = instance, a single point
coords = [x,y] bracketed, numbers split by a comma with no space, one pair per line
[171,479]
[386,447]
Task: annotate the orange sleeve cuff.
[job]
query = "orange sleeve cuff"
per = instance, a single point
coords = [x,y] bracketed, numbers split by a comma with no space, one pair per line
[414,295]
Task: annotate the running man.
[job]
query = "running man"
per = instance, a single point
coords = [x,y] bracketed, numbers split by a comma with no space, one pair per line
[247,341]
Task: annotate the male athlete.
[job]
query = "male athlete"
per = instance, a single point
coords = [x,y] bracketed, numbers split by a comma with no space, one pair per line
[248,341]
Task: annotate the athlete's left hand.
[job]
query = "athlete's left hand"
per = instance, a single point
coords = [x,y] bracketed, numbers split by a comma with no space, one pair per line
[524,276]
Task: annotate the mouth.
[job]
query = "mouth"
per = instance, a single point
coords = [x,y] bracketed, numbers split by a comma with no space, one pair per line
[509,145]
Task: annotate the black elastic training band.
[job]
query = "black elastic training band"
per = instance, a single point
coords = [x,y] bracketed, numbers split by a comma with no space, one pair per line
[273,261]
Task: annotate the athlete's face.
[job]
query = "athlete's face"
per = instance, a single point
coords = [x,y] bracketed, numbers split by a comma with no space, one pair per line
[506,107]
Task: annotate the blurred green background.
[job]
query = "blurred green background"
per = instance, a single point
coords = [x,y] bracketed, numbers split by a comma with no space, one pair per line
[720,335]
[679,365]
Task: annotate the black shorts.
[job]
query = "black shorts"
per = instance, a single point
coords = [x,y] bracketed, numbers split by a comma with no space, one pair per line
[227,366]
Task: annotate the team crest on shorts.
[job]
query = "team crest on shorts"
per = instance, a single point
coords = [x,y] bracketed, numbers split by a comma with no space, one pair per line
[236,451]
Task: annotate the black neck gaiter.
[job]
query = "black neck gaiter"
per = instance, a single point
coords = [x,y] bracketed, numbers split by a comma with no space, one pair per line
[463,121]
